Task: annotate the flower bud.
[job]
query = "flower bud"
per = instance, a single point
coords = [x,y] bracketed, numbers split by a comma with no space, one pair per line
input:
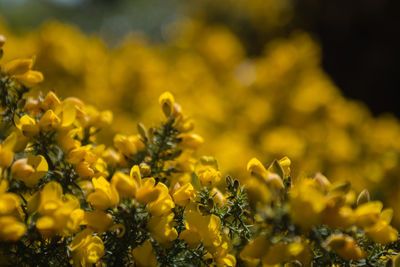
[167,103]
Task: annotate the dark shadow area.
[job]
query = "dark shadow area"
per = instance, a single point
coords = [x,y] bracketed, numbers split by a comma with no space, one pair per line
[360,43]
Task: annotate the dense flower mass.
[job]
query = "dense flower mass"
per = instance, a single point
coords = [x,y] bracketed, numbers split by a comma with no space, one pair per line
[283,102]
[148,199]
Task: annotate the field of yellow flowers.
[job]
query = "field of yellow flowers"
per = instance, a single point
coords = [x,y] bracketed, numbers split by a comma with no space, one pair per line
[102,152]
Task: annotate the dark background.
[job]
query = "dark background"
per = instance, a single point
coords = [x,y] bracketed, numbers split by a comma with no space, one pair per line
[359,38]
[360,44]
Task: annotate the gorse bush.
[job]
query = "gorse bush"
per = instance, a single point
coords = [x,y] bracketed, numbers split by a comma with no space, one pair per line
[278,102]
[150,200]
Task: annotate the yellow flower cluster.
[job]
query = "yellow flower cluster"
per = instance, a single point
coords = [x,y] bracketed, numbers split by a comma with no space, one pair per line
[284,104]
[69,195]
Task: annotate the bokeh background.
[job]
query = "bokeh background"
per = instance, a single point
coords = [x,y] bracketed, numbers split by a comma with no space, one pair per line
[359,39]
[313,80]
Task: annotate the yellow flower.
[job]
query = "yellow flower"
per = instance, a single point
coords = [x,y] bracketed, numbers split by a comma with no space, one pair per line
[11,229]
[60,214]
[10,203]
[367,214]
[30,78]
[147,192]
[102,120]
[26,125]
[29,170]
[87,249]
[257,191]
[105,195]
[162,230]
[337,216]
[51,101]
[191,237]
[381,231]
[345,246]
[49,121]
[125,184]
[18,66]
[282,252]
[208,176]
[7,153]
[167,103]
[257,169]
[163,204]
[65,139]
[21,70]
[184,194]
[144,255]
[306,204]
[128,145]
[254,250]
[221,256]
[208,228]
[98,221]
[190,140]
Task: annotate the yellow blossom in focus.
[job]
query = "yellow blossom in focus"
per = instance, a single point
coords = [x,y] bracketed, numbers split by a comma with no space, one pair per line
[125,185]
[29,170]
[184,194]
[105,194]
[147,191]
[26,125]
[163,204]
